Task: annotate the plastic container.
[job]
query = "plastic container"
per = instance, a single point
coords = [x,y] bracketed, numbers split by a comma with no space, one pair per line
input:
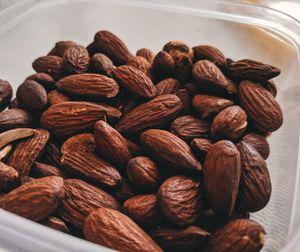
[31,28]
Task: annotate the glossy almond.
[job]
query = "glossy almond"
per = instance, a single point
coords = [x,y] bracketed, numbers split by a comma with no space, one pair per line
[111,144]
[169,150]
[76,59]
[262,109]
[55,97]
[259,143]
[163,65]
[154,113]
[43,79]
[229,124]
[28,151]
[52,65]
[200,147]
[36,199]
[7,175]
[211,53]
[101,64]
[88,86]
[141,64]
[5,94]
[146,53]
[80,199]
[60,47]
[222,171]
[135,81]
[84,142]
[180,199]
[167,86]
[236,236]
[10,136]
[115,230]
[255,186]
[189,127]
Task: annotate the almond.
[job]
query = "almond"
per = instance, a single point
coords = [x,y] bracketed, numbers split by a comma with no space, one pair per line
[5,94]
[52,154]
[270,86]
[259,143]
[134,149]
[222,171]
[101,64]
[43,79]
[111,144]
[255,186]
[88,86]
[154,113]
[264,112]
[44,170]
[35,200]
[186,100]
[7,175]
[84,142]
[170,150]
[124,191]
[135,81]
[141,64]
[180,199]
[55,97]
[80,199]
[115,230]
[14,104]
[163,65]
[207,52]
[229,124]
[60,47]
[57,224]
[15,118]
[146,53]
[5,151]
[28,151]
[52,65]
[167,86]
[15,134]
[76,59]
[201,146]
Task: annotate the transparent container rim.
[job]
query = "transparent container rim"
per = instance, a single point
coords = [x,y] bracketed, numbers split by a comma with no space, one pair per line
[284,25]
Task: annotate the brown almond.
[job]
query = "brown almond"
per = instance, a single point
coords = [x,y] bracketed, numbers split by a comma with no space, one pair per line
[262,109]
[84,142]
[167,86]
[229,124]
[112,46]
[111,144]
[143,209]
[67,118]
[247,69]
[88,86]
[15,118]
[52,154]
[207,52]
[25,179]
[143,173]
[110,228]
[186,100]
[28,151]
[179,239]
[80,199]
[5,94]
[157,112]
[60,47]
[44,170]
[10,136]
[222,171]
[57,224]
[255,186]
[259,143]
[32,95]
[140,63]
[201,146]
[189,127]
[135,81]
[124,191]
[101,64]
[92,168]
[163,66]
[170,150]
[52,65]
[76,59]
[35,200]
[180,199]
[238,235]
[7,175]
[146,53]
[5,151]
[192,88]
[134,149]
[55,97]
[43,79]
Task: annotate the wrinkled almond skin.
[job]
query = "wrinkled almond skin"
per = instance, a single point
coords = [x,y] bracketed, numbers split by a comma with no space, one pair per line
[55,97]
[229,124]
[15,118]
[208,105]
[43,79]
[111,144]
[146,54]
[92,168]
[101,64]
[109,44]
[236,236]
[52,65]
[143,173]
[32,95]
[180,199]
[222,171]
[115,230]
[68,118]
[5,94]
[201,146]
[60,47]
[207,52]
[170,150]
[76,59]
[259,143]
[252,70]
[210,78]
[44,170]
[88,85]
[163,66]
[80,199]
[7,175]
[143,209]
[255,186]
[141,64]
[154,113]
[167,86]
[262,109]
[84,142]
[135,81]
[28,151]
[189,127]
[36,199]
[57,224]
[176,239]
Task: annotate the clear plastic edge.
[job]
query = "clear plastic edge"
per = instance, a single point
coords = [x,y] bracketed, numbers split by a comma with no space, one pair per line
[282,24]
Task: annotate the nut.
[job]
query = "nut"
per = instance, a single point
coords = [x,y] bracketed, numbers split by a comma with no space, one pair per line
[101,64]
[141,64]
[213,54]
[84,142]
[60,48]
[43,79]
[167,86]
[163,66]
[7,175]
[52,65]
[55,97]
[5,94]
[146,54]
[76,59]
[259,143]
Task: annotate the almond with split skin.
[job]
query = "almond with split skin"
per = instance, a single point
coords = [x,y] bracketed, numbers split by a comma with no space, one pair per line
[84,142]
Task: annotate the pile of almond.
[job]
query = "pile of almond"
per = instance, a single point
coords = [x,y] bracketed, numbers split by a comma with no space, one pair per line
[150,152]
